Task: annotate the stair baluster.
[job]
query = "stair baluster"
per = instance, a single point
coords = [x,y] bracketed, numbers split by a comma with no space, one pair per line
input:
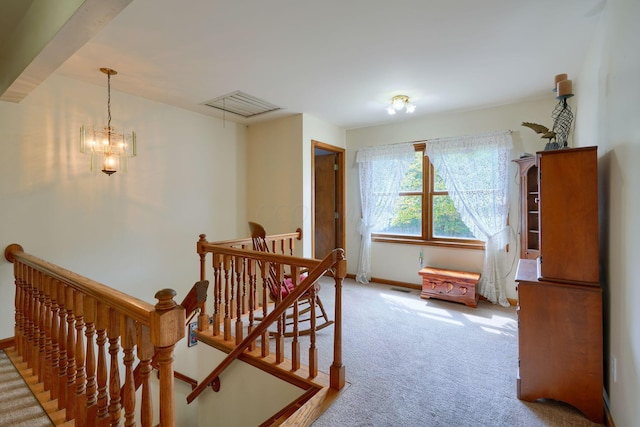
[103,395]
[40,338]
[113,334]
[129,393]
[80,397]
[62,337]
[55,346]
[90,317]
[48,332]
[71,352]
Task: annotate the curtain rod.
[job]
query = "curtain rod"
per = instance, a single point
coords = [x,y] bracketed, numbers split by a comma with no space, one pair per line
[480,135]
[499,132]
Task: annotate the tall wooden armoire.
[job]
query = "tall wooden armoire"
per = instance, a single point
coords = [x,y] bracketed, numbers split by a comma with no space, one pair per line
[560,338]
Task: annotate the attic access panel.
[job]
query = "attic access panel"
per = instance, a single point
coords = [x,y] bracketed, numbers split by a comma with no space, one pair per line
[242,104]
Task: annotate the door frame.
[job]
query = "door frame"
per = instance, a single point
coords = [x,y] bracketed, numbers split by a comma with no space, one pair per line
[340,193]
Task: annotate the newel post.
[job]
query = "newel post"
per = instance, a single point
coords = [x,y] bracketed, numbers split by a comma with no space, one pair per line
[202,253]
[18,331]
[337,370]
[167,328]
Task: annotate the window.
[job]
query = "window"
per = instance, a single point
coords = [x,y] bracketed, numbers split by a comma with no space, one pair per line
[425,213]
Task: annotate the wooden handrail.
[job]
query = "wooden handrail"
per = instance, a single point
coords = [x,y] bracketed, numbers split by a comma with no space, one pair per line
[263,256]
[132,307]
[317,270]
[65,323]
[195,299]
[248,242]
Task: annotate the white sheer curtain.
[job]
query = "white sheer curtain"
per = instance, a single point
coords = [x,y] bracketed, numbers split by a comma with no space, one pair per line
[475,171]
[381,170]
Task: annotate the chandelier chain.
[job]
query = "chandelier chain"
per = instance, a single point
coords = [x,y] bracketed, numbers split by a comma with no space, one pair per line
[109,106]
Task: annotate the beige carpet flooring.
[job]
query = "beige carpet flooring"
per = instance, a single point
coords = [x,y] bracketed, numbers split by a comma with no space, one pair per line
[430,363]
[18,406]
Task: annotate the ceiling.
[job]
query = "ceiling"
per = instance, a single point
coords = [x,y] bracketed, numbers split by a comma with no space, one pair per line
[338,60]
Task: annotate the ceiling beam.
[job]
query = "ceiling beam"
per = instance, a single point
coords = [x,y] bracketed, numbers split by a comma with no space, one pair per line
[44,36]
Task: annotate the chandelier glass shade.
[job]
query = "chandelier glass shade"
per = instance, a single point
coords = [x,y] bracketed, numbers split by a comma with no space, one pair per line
[399,103]
[108,147]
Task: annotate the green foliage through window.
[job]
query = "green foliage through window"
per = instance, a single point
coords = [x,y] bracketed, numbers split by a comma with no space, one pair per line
[446,220]
[408,218]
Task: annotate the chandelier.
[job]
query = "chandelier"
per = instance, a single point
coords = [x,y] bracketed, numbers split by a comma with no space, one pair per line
[400,102]
[107,147]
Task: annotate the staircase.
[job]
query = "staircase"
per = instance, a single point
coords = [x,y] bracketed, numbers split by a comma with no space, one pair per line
[40,397]
[66,324]
[266,334]
[75,338]
[309,402]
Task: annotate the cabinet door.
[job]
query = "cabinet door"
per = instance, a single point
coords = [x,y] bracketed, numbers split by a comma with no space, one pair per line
[568,186]
[560,345]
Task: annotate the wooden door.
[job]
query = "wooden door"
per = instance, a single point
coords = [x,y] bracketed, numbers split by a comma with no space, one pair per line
[325,205]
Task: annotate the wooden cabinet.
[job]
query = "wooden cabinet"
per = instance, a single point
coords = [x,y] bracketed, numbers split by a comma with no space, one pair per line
[529,235]
[568,185]
[560,332]
[560,342]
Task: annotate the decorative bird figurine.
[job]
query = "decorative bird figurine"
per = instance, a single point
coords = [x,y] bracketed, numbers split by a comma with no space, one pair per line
[546,134]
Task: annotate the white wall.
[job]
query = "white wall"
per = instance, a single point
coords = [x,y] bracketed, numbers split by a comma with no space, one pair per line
[399,262]
[608,97]
[279,170]
[135,232]
[256,394]
[274,171]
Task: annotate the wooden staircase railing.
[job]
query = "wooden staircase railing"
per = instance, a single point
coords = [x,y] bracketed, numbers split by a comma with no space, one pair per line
[239,293]
[65,324]
[195,299]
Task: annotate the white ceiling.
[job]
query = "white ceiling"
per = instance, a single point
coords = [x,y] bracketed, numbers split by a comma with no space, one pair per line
[340,60]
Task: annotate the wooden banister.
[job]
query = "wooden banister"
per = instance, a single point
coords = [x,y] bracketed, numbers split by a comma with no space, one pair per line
[314,274]
[64,325]
[132,307]
[248,242]
[265,256]
[195,299]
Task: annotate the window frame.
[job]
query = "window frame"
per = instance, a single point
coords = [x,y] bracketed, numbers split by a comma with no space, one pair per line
[427,193]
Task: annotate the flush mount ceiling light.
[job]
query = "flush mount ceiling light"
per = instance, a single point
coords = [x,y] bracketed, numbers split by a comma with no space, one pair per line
[108,147]
[399,103]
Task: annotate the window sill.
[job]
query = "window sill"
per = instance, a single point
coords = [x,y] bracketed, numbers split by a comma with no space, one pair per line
[436,243]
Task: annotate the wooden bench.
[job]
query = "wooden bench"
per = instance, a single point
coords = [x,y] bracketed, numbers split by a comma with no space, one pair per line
[450,285]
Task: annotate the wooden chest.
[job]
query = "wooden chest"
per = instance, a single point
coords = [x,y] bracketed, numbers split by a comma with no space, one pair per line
[450,285]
